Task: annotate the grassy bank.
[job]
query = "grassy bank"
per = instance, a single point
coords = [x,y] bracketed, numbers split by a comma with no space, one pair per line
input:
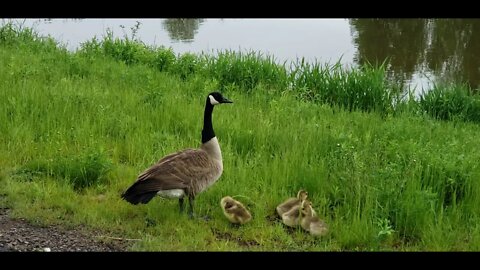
[77,128]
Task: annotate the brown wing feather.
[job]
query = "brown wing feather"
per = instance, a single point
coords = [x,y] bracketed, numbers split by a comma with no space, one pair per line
[159,166]
[180,168]
[176,170]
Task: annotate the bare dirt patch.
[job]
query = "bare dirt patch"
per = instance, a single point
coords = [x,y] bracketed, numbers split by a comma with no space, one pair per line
[228,236]
[19,235]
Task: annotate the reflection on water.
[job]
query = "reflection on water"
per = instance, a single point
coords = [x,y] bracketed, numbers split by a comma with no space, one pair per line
[418,50]
[446,48]
[182,29]
[455,49]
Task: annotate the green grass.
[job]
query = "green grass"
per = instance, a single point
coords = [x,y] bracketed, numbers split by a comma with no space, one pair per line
[364,88]
[454,102]
[77,128]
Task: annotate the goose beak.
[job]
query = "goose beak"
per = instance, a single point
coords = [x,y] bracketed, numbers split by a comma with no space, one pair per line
[226,100]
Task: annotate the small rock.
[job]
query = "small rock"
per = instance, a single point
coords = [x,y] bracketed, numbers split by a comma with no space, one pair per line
[46,249]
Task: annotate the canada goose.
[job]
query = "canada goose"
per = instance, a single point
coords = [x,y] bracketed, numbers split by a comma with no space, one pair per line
[290,202]
[235,211]
[311,222]
[184,173]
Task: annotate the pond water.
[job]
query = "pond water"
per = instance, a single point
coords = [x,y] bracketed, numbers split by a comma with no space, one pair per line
[420,51]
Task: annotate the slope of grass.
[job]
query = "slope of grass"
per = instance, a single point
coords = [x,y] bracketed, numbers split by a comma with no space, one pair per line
[77,129]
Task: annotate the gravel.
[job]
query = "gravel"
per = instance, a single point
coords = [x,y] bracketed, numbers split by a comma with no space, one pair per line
[19,235]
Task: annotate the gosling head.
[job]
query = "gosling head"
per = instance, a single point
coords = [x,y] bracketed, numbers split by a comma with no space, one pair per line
[215,98]
[227,202]
[307,208]
[302,194]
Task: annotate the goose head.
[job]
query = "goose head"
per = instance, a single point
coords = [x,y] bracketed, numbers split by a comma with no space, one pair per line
[215,98]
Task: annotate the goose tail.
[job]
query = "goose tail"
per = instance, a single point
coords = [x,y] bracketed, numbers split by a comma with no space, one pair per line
[135,194]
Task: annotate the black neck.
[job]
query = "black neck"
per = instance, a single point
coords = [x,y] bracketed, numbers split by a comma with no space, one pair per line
[207,132]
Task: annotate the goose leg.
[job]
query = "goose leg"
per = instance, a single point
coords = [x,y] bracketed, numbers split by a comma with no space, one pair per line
[190,203]
[191,200]
[180,203]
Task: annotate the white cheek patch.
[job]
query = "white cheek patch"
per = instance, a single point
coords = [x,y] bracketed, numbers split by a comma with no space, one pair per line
[213,101]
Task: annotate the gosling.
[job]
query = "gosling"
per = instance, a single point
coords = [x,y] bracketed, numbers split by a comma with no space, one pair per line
[310,222]
[235,211]
[293,216]
[291,202]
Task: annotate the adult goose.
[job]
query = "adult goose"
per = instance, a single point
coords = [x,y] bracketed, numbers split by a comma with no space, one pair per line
[185,173]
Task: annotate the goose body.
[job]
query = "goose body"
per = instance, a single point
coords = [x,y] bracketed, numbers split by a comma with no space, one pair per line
[235,211]
[185,173]
[291,202]
[310,222]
